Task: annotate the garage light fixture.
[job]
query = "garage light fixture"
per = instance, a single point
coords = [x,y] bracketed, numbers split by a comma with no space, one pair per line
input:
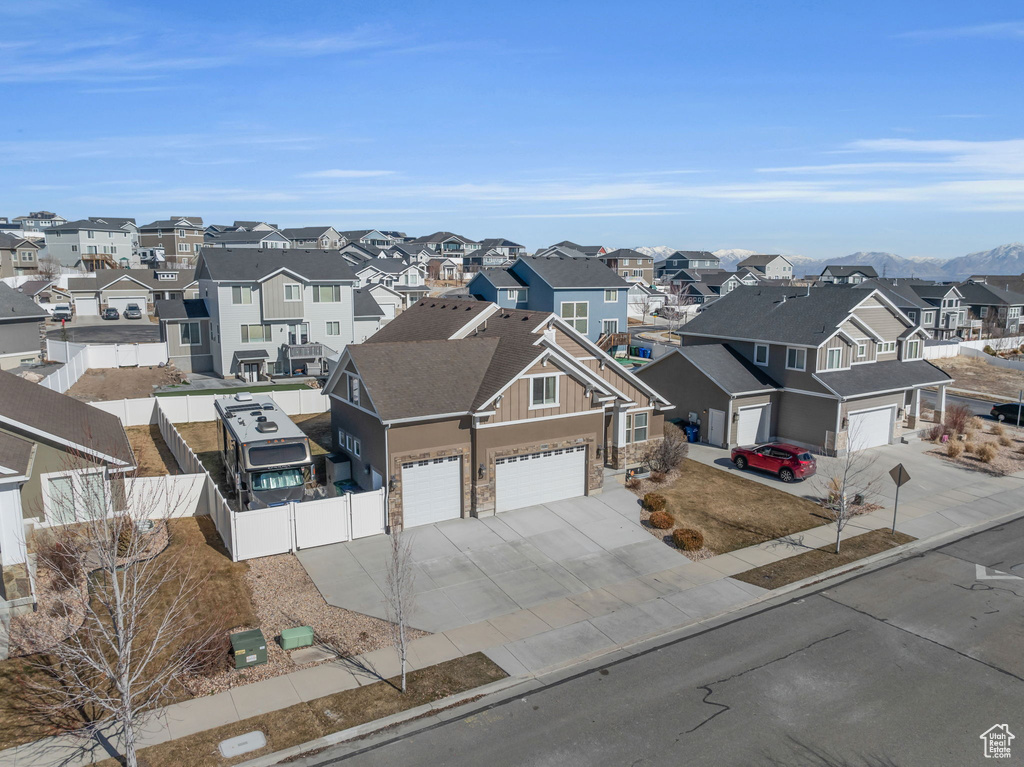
[481,472]
[393,483]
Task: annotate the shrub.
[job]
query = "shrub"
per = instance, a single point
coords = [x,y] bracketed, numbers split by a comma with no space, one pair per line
[660,520]
[654,502]
[987,451]
[1005,441]
[59,556]
[989,350]
[970,447]
[666,454]
[998,430]
[936,432]
[658,477]
[954,448]
[633,483]
[956,419]
[975,424]
[207,651]
[687,539]
[126,540]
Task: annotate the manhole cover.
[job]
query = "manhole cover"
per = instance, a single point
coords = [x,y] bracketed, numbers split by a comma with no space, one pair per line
[242,744]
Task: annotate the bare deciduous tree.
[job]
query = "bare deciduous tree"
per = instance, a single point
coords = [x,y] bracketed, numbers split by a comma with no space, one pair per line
[399,595]
[847,484]
[666,454]
[138,637]
[48,268]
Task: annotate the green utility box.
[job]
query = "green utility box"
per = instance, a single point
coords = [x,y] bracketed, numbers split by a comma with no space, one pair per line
[249,648]
[301,636]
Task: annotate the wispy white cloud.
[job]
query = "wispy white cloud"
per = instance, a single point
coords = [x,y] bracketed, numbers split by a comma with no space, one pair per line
[340,173]
[187,146]
[1006,30]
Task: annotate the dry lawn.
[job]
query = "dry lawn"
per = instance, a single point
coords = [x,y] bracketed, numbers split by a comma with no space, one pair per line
[223,602]
[152,455]
[101,385]
[817,561]
[733,512]
[974,374]
[304,722]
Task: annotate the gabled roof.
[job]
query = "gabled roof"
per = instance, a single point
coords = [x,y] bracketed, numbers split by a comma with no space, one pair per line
[181,309]
[64,419]
[147,278]
[935,292]
[498,242]
[889,375]
[442,236]
[587,250]
[244,235]
[695,255]
[254,264]
[717,279]
[694,275]
[784,315]
[306,232]
[118,222]
[759,259]
[501,278]
[251,224]
[625,253]
[18,306]
[171,223]
[12,241]
[978,294]
[86,224]
[386,265]
[899,292]
[34,287]
[563,272]
[730,371]
[844,270]
[15,456]
[365,305]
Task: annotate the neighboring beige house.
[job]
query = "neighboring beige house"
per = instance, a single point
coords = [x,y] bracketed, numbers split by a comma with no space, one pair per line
[824,368]
[771,267]
[315,237]
[119,287]
[630,265]
[93,245]
[181,237]
[462,408]
[18,255]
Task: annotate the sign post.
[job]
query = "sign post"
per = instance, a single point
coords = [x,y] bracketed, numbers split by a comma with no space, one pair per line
[900,477]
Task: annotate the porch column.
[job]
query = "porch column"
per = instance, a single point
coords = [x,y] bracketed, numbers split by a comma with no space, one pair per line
[940,404]
[617,458]
[914,416]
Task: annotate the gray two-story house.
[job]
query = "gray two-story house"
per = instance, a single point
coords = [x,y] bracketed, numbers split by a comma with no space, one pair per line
[687,259]
[828,368]
[264,313]
[582,291]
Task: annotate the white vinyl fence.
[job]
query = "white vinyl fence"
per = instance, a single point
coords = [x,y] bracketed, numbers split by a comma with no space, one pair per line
[78,358]
[996,361]
[180,495]
[199,407]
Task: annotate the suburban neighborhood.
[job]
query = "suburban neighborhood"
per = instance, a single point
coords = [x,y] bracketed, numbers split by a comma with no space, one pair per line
[544,407]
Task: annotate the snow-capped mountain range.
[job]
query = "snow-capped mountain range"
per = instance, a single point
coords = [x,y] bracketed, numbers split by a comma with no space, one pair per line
[1005,259]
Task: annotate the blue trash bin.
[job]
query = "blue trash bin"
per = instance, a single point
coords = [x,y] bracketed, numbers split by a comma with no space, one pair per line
[692,433]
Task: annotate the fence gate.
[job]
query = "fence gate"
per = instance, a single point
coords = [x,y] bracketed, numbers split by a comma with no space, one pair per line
[127,355]
[319,523]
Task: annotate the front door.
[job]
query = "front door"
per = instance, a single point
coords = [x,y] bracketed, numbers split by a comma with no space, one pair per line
[298,333]
[716,427]
[609,327]
[251,371]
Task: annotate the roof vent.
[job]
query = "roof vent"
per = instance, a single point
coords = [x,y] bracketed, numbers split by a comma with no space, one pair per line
[266,427]
[243,396]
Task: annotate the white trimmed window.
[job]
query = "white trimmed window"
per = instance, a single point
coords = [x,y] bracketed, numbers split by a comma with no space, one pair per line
[333,329]
[833,359]
[862,349]
[928,317]
[241,295]
[544,391]
[190,334]
[326,294]
[255,334]
[611,296]
[912,349]
[761,354]
[353,389]
[796,359]
[577,314]
[292,292]
[887,347]
[636,427]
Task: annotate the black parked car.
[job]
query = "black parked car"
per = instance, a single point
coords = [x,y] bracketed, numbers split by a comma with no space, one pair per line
[111,313]
[1009,413]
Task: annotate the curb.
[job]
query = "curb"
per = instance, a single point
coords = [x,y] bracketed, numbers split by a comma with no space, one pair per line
[267,760]
[629,647]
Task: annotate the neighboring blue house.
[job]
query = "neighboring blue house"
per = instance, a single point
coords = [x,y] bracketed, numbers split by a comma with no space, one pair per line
[583,291]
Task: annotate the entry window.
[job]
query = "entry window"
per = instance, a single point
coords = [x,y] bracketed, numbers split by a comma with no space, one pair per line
[611,296]
[255,334]
[608,327]
[796,359]
[834,359]
[576,313]
[292,292]
[544,391]
[241,294]
[636,427]
[190,334]
[760,354]
[333,328]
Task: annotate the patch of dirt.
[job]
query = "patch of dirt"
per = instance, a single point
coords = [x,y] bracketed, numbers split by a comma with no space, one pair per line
[817,561]
[975,374]
[105,384]
[153,457]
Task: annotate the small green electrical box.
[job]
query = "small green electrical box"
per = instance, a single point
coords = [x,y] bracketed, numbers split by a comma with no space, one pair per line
[301,636]
[249,648]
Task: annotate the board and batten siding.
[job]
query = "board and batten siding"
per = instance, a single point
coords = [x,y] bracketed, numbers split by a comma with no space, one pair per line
[272,298]
[882,320]
[515,404]
[836,342]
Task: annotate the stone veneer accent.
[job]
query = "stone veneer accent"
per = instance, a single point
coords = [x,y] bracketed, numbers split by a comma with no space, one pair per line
[629,455]
[484,490]
[395,517]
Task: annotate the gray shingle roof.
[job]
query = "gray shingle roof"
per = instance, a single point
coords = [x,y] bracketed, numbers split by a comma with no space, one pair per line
[252,264]
[441,237]
[119,222]
[501,278]
[563,272]
[170,223]
[148,277]
[182,309]
[977,294]
[244,236]
[498,242]
[807,316]
[96,226]
[32,287]
[882,376]
[386,265]
[626,253]
[695,255]
[759,259]
[844,270]
[305,232]
[900,293]
[15,454]
[63,417]
[366,305]
[18,306]
[10,241]
[728,369]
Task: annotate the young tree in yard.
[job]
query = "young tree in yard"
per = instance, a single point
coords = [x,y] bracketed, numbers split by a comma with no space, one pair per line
[667,454]
[847,484]
[399,595]
[138,636]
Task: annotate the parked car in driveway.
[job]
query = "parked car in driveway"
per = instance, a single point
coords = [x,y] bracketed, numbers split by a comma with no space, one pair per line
[787,462]
[1011,413]
[132,312]
[61,312]
[110,313]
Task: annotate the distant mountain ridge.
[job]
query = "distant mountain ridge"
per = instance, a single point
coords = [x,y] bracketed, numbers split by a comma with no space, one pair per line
[1005,259]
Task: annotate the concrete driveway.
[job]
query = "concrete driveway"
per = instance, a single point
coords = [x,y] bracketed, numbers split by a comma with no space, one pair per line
[472,570]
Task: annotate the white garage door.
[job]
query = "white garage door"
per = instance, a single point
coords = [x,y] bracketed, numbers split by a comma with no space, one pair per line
[527,480]
[87,307]
[870,428]
[122,303]
[753,425]
[431,491]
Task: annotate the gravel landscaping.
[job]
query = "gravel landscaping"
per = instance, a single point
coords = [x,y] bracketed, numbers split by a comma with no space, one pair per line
[1008,459]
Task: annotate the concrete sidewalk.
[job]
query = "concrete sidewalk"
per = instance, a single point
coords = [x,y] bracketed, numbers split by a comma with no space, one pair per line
[558,631]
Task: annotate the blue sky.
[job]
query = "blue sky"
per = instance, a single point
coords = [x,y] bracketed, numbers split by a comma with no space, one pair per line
[800,127]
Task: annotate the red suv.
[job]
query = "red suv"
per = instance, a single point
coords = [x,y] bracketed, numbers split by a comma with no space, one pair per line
[789,462]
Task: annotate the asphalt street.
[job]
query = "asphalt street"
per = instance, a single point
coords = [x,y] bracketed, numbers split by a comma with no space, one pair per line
[96,331]
[905,665]
[977,407]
